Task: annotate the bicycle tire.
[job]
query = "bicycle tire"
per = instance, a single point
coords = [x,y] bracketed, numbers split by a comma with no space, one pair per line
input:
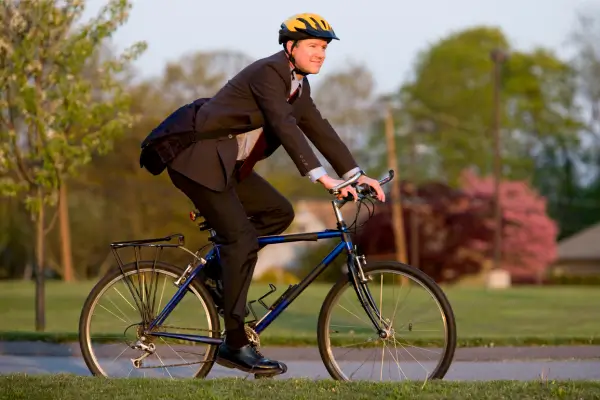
[109,277]
[416,274]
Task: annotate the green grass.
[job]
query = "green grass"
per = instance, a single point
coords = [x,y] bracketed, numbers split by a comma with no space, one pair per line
[518,316]
[66,387]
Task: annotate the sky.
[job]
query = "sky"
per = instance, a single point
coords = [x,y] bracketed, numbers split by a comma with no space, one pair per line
[385,35]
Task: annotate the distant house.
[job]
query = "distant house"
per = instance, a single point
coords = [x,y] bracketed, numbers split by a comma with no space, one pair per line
[579,254]
[312,215]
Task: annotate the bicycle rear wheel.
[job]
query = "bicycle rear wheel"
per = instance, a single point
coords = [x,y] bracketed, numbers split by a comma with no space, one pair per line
[111,324]
[419,345]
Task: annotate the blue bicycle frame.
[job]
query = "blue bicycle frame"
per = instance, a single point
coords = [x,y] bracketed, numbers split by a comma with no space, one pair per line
[280,304]
[355,275]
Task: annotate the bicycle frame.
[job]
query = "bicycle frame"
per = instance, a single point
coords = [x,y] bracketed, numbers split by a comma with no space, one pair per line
[355,275]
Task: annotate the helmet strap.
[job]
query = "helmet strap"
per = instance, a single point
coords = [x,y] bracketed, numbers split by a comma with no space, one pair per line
[291,58]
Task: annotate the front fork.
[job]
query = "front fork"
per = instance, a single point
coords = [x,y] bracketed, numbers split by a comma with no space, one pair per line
[359,282]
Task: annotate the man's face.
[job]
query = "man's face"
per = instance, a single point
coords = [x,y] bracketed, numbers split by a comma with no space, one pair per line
[309,54]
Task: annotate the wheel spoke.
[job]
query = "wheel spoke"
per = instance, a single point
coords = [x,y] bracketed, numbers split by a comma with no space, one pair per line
[348,347]
[153,356]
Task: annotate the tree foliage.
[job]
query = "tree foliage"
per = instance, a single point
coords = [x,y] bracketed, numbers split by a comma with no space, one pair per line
[129,203]
[444,117]
[346,99]
[451,94]
[52,118]
[55,113]
[456,227]
[71,130]
[570,175]
[528,233]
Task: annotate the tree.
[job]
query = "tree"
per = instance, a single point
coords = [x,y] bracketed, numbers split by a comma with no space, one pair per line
[123,201]
[53,119]
[456,228]
[451,93]
[15,235]
[199,74]
[549,127]
[529,235]
[346,99]
[450,230]
[586,40]
[574,192]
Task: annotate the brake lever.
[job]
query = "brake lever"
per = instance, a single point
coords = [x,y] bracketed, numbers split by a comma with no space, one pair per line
[361,190]
[365,190]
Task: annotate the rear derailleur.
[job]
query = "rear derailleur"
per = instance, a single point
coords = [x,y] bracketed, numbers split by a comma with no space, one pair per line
[148,350]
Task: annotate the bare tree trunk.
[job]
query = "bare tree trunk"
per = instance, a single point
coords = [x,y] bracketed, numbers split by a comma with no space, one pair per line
[40,320]
[414,216]
[65,234]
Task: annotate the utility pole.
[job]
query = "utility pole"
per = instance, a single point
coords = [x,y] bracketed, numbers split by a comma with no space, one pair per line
[498,57]
[414,215]
[397,218]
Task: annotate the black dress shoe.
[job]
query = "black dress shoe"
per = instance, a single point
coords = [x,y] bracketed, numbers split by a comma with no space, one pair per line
[248,359]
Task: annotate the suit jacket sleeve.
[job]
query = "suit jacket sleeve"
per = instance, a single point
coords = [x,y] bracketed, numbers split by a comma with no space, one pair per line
[325,138]
[269,91]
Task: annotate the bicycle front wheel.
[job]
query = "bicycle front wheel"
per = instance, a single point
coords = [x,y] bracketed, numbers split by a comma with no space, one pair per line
[421,327]
[118,310]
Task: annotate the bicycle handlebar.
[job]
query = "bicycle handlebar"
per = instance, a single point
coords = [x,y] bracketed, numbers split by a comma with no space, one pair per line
[388,178]
[354,178]
[361,191]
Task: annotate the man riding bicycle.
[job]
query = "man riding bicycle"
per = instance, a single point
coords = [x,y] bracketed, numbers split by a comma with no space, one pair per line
[266,105]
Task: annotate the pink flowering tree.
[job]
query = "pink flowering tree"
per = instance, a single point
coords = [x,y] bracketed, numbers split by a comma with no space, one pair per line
[455,233]
[528,234]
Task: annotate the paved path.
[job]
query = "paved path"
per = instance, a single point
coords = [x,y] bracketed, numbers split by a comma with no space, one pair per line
[481,364]
[460,370]
[312,353]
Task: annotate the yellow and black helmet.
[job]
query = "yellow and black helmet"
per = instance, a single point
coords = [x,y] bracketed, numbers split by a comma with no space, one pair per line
[306,26]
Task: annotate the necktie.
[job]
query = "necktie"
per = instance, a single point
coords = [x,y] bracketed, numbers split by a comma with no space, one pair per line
[260,147]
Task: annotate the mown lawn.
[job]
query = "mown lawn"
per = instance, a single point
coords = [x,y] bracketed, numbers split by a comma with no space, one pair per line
[67,387]
[524,315]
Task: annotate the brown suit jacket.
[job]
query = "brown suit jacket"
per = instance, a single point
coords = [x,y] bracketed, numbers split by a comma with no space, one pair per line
[257,97]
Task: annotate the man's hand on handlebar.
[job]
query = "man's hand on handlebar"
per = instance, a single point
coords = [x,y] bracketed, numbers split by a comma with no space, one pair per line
[347,189]
[374,183]
[330,183]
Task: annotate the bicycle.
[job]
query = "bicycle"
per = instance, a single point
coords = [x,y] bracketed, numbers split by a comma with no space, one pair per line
[147,327]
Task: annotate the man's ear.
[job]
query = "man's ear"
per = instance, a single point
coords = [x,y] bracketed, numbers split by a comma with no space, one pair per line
[289,44]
